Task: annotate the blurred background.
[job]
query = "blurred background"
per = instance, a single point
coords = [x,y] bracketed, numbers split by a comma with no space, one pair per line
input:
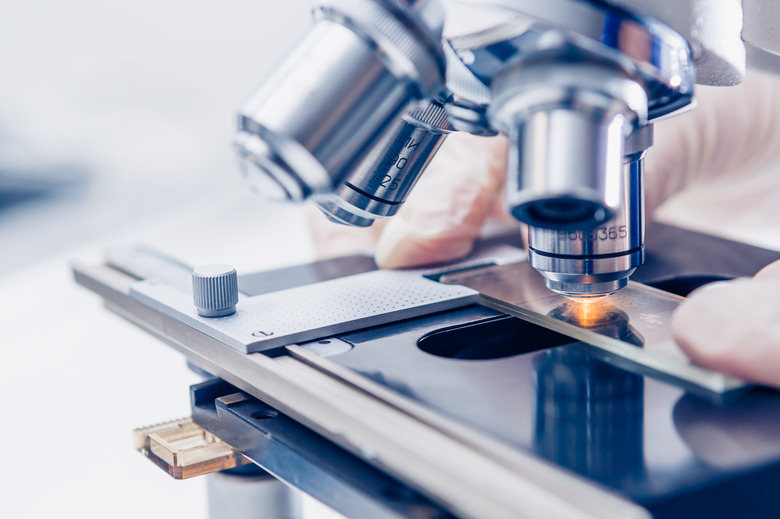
[116,120]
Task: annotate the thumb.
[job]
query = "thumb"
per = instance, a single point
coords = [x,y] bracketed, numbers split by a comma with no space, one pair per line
[734,327]
[444,214]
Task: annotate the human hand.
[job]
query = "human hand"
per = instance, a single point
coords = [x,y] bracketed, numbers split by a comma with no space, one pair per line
[732,136]
[442,217]
[725,153]
[734,326]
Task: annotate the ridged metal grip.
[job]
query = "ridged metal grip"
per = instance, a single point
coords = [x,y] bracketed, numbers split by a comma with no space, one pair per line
[378,187]
[215,290]
[360,67]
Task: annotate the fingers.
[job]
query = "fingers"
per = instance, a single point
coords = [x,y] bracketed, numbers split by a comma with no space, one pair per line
[444,214]
[734,327]
[732,131]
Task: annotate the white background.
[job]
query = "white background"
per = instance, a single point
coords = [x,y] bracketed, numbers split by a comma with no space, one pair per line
[132,104]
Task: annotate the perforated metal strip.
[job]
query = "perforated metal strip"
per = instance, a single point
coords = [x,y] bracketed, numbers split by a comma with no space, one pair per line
[312,311]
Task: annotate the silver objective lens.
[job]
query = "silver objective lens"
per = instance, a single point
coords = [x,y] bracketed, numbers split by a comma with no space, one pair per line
[599,260]
[382,182]
[566,122]
[319,114]
[568,90]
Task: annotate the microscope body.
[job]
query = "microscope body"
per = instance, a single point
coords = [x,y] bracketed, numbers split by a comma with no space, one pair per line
[354,115]
[471,389]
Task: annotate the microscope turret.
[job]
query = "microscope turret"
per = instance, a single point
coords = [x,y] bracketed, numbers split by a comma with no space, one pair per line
[356,112]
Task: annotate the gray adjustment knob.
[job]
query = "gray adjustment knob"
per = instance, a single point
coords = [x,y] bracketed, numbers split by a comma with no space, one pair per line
[215,290]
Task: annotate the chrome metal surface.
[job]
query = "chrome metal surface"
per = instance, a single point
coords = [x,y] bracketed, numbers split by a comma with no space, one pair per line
[312,311]
[379,186]
[560,400]
[251,497]
[572,96]
[567,125]
[317,116]
[621,234]
[697,21]
[519,290]
[427,457]
[469,97]
[567,81]
[648,440]
[587,276]
[215,290]
[600,260]
[303,459]
[640,46]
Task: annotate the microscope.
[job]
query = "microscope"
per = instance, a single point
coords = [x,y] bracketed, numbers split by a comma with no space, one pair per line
[528,380]
[354,115]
